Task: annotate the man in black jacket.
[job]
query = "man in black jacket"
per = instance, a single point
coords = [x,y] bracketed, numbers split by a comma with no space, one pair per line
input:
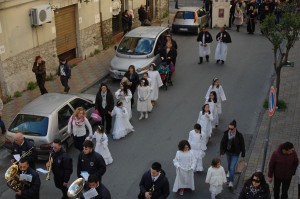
[21,146]
[90,161]
[104,103]
[62,167]
[233,145]
[154,183]
[142,14]
[103,192]
[32,181]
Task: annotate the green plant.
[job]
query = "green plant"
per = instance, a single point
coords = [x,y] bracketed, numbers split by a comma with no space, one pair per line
[281,104]
[17,94]
[96,51]
[31,85]
[73,65]
[50,77]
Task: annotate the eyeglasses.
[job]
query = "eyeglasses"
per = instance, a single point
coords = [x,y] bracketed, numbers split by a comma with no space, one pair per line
[255,180]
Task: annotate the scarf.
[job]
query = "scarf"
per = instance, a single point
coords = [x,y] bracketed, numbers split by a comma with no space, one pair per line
[79,121]
[103,99]
[254,190]
[231,135]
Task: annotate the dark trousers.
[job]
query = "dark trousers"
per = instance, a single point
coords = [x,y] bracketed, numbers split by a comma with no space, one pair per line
[284,189]
[298,191]
[78,142]
[106,119]
[41,83]
[59,184]
[132,89]
[64,81]
[231,19]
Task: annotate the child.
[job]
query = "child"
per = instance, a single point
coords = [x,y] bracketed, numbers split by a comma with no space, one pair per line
[215,177]
[164,70]
[185,164]
[122,125]
[124,94]
[198,146]
[205,118]
[144,102]
[101,144]
[212,102]
[219,91]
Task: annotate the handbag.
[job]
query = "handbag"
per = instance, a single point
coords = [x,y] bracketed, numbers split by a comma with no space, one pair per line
[241,166]
[96,116]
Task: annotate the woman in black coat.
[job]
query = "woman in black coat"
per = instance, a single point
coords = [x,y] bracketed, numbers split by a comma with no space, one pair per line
[133,80]
[256,188]
[105,104]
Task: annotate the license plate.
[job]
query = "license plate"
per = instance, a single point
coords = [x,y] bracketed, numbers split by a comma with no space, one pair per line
[183,29]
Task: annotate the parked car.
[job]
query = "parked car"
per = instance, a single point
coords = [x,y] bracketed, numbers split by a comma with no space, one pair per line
[188,19]
[46,118]
[139,47]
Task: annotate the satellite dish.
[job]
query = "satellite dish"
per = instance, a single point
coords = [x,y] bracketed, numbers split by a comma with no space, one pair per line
[116,7]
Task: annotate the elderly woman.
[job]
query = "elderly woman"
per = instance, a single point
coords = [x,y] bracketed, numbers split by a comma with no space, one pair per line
[76,127]
[256,187]
[238,18]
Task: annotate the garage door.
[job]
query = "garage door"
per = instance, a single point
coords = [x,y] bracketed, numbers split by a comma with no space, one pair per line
[65,23]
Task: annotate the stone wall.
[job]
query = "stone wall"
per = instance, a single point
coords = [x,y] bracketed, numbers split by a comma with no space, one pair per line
[162,9]
[90,39]
[107,33]
[17,71]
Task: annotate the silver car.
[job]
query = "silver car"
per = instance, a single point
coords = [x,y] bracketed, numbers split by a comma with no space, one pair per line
[46,118]
[188,19]
[139,47]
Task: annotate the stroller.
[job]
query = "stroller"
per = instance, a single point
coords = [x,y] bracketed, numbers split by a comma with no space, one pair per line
[166,74]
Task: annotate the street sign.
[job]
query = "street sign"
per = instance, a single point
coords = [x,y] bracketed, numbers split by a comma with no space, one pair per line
[272,101]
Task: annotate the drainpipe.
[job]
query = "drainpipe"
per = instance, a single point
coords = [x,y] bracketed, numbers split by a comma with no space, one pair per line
[101,23]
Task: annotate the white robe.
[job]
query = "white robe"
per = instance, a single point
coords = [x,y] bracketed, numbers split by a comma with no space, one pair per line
[198,147]
[155,84]
[221,51]
[205,122]
[102,147]
[204,48]
[214,110]
[122,125]
[220,96]
[126,99]
[216,177]
[144,102]
[185,164]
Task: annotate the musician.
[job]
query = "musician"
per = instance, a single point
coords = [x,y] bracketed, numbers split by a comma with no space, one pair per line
[103,192]
[20,146]
[32,185]
[154,183]
[90,161]
[62,167]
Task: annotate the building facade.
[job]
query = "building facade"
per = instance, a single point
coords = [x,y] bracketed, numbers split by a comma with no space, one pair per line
[58,28]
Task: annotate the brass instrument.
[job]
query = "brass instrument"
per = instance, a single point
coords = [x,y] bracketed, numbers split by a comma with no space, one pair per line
[50,166]
[76,187]
[12,177]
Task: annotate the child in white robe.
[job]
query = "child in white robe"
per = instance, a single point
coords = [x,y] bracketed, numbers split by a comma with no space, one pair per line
[102,145]
[156,82]
[215,177]
[144,102]
[124,95]
[122,125]
[198,146]
[185,164]
[205,118]
[220,94]
[212,102]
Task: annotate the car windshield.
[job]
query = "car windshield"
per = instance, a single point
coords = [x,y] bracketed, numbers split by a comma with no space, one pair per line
[185,15]
[136,46]
[30,125]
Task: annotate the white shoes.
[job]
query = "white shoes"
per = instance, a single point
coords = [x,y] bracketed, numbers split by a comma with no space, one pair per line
[230,185]
[146,115]
[227,175]
[142,116]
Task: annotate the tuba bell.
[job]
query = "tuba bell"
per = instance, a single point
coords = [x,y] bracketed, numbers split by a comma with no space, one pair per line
[76,187]
[13,179]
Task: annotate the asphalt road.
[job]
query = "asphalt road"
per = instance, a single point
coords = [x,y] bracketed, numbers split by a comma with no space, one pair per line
[245,77]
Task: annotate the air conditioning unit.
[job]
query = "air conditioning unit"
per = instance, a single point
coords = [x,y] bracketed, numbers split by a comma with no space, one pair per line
[40,14]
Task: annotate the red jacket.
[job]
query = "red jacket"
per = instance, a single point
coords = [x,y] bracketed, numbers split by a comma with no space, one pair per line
[282,166]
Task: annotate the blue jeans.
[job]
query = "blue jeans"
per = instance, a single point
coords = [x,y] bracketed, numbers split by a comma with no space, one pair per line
[232,160]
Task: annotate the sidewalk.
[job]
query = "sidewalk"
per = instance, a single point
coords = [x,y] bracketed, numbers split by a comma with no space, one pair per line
[285,125]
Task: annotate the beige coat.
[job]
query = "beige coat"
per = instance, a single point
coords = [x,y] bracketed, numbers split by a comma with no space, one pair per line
[238,18]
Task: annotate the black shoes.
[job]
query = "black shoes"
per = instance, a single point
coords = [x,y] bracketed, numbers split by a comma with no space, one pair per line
[217,61]
[222,62]
[200,60]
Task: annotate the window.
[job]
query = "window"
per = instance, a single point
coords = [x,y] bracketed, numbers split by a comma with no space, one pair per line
[81,102]
[184,15]
[63,116]
[33,125]
[136,45]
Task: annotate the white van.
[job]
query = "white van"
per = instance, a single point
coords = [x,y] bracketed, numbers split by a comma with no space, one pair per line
[139,47]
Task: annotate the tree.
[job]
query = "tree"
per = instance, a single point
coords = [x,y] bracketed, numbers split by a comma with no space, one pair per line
[282,30]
